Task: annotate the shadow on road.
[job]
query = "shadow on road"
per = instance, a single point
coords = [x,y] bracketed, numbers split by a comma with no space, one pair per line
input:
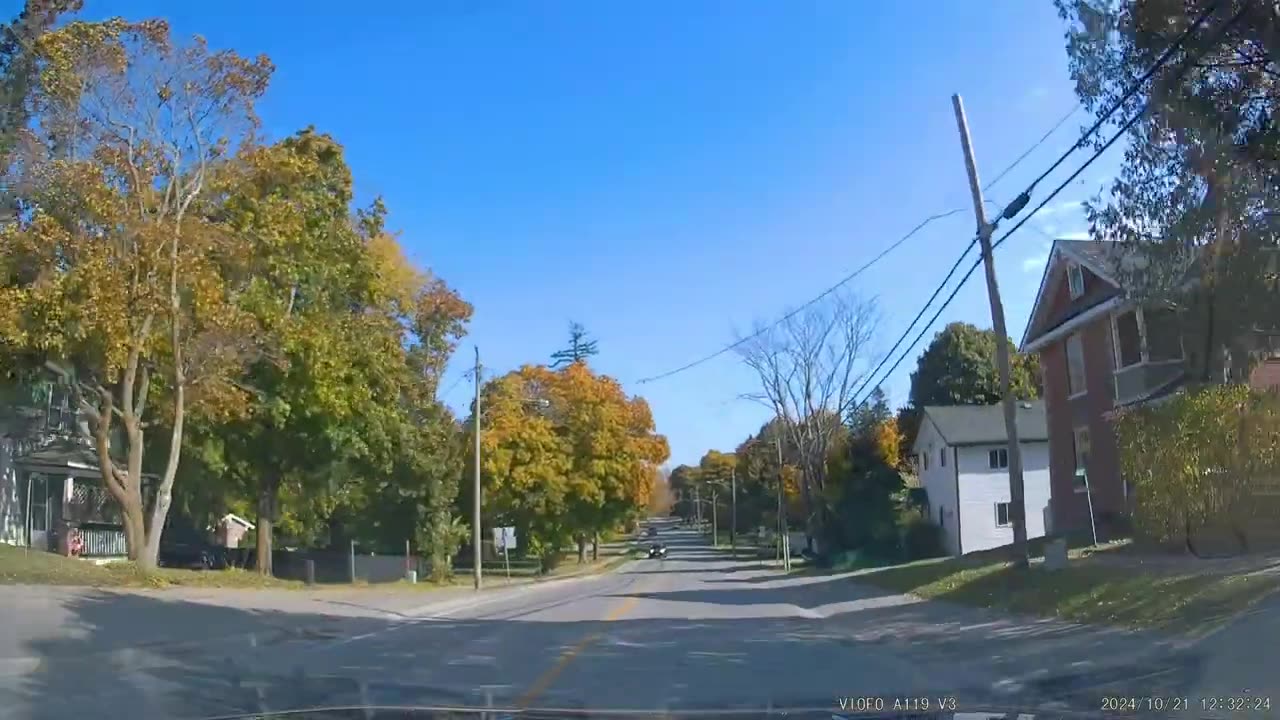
[780,640]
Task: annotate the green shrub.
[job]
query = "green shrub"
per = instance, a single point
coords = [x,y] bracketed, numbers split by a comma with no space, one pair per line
[920,538]
[1199,459]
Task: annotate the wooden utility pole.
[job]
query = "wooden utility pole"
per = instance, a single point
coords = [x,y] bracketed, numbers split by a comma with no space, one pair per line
[1009,403]
[475,490]
[784,534]
[733,511]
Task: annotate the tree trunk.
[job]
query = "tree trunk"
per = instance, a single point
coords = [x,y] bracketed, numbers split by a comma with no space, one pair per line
[582,549]
[595,547]
[267,498]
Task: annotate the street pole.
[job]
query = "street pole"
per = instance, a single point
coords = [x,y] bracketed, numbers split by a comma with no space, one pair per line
[1010,407]
[733,510]
[715,536]
[784,538]
[697,508]
[475,490]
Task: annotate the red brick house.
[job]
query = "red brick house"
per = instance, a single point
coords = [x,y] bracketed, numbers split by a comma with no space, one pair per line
[1099,351]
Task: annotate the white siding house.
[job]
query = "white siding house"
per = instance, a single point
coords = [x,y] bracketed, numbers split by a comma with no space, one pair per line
[962,459]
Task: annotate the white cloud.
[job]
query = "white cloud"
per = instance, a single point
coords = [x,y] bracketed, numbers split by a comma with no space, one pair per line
[1062,207]
[1035,263]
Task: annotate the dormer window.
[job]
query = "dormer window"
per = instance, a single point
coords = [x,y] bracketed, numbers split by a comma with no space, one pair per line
[1075,280]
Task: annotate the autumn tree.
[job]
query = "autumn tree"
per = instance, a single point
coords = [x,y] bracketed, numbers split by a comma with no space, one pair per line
[1193,201]
[865,481]
[110,279]
[715,476]
[19,79]
[565,455]
[810,366]
[580,348]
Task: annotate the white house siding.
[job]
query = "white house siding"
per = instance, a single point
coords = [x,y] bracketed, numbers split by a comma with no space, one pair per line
[981,488]
[939,482]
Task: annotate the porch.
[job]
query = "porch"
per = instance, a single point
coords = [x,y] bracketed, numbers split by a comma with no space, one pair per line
[59,487]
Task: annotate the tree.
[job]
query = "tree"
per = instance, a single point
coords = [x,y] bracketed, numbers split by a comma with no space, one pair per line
[110,278]
[565,454]
[19,77]
[715,475]
[866,482]
[959,368]
[580,348]
[1194,194]
[810,366]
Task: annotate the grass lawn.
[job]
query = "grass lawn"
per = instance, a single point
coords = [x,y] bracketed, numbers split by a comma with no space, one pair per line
[1082,592]
[34,567]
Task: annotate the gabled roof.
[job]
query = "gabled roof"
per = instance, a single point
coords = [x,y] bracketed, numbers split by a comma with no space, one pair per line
[1102,258]
[984,424]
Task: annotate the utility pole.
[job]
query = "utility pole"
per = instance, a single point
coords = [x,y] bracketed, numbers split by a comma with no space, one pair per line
[697,508]
[784,537]
[715,535]
[1016,493]
[733,511]
[475,490]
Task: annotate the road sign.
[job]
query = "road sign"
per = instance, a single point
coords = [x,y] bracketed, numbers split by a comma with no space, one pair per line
[504,538]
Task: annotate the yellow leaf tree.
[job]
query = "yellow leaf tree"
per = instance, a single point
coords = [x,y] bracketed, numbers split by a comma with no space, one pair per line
[111,279]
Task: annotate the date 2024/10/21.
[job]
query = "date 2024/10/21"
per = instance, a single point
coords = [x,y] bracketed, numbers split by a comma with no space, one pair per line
[911,703]
[1175,703]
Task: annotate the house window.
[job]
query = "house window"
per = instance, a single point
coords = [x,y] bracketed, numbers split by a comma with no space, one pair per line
[942,457]
[998,459]
[1002,515]
[1075,280]
[1128,340]
[1164,339]
[1082,459]
[925,456]
[1075,365]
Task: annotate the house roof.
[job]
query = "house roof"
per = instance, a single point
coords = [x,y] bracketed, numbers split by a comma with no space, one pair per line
[232,517]
[984,424]
[1101,257]
[63,453]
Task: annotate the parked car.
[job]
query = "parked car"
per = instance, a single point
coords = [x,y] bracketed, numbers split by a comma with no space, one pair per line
[658,551]
[185,548]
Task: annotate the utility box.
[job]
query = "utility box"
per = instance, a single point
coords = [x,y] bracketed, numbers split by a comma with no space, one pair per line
[1055,554]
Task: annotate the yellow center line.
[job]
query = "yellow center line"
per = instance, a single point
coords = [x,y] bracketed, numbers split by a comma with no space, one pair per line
[544,682]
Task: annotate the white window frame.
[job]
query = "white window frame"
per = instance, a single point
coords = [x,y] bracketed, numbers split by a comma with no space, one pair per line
[1072,391]
[1115,338]
[1008,515]
[1075,280]
[998,458]
[1075,459]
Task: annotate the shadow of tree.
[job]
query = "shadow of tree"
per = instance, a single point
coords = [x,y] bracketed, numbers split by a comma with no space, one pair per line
[729,646]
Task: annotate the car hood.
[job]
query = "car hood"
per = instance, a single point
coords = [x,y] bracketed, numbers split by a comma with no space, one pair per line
[387,712]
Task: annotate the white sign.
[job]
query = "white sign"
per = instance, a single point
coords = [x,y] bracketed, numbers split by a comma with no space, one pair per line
[504,538]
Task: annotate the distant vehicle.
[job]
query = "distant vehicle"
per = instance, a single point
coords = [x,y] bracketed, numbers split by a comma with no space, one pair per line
[651,532]
[658,551]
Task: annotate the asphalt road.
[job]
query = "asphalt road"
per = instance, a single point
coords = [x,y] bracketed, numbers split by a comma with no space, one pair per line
[697,630]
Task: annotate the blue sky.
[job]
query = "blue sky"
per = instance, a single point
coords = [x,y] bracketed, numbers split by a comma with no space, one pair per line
[666,172]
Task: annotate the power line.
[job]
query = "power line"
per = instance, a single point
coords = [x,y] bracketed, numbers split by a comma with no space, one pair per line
[1010,211]
[1133,90]
[811,302]
[955,291]
[1033,148]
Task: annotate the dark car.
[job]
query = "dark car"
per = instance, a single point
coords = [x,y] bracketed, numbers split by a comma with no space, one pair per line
[651,532]
[658,550]
[184,547]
